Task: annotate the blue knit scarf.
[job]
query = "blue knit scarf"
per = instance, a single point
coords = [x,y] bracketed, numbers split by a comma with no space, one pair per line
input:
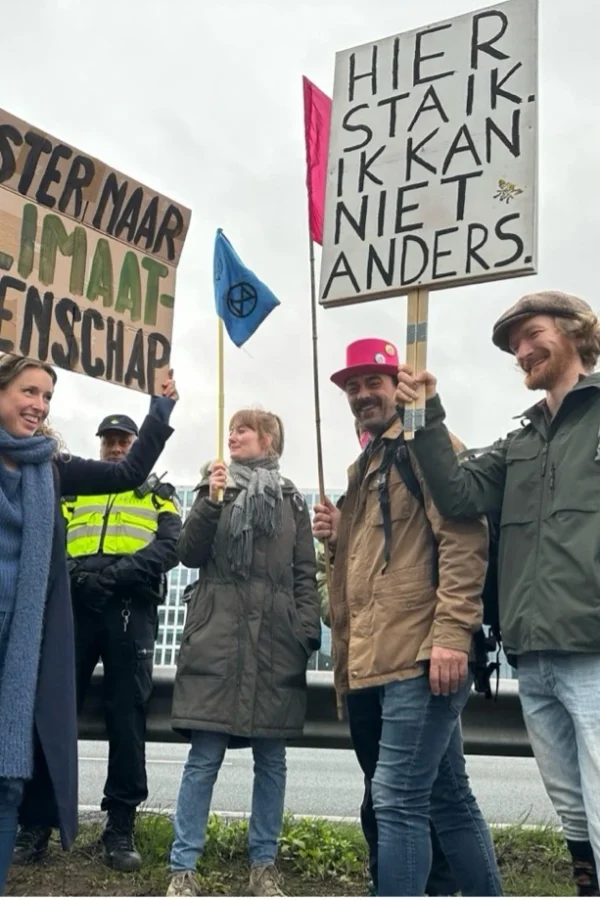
[18,683]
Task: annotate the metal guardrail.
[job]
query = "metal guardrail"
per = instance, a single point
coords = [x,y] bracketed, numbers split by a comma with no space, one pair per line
[490,727]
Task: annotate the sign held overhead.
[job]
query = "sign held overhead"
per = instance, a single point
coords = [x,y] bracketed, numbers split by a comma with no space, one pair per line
[87,261]
[432,171]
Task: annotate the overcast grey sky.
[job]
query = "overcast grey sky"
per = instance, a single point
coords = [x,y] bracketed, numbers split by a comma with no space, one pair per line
[203,102]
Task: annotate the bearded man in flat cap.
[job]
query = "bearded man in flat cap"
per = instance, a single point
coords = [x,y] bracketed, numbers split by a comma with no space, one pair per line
[544,482]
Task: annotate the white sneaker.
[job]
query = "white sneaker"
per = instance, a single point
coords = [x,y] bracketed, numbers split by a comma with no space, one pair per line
[183,884]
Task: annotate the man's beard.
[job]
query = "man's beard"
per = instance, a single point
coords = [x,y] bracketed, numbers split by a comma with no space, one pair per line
[378,415]
[546,376]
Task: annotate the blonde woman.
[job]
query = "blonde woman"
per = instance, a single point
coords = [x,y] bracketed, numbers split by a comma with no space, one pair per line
[252,624]
[38,726]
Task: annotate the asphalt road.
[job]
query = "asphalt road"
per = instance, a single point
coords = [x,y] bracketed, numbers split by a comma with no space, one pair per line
[320,783]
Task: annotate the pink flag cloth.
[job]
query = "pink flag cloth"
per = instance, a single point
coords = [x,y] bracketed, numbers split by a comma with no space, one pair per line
[317,120]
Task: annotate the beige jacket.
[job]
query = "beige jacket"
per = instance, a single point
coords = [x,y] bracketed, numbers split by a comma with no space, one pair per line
[384,624]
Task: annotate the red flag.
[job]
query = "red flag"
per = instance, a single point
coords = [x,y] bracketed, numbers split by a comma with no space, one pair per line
[317,120]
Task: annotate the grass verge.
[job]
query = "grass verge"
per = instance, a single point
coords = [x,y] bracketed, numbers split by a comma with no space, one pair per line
[317,858]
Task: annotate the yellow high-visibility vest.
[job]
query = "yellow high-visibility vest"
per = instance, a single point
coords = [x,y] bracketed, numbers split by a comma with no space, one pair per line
[114,524]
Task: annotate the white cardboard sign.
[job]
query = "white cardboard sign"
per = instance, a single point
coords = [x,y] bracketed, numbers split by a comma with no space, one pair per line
[432,168]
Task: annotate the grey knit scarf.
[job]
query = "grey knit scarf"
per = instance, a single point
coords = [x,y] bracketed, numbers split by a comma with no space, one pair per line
[20,672]
[257,509]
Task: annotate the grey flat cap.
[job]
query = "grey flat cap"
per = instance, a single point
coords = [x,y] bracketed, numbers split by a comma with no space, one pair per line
[544,303]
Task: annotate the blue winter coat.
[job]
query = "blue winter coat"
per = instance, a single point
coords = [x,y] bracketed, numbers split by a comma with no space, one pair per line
[50,797]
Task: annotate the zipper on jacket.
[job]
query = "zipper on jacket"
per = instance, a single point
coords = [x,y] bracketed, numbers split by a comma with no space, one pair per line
[544,459]
[552,476]
[538,536]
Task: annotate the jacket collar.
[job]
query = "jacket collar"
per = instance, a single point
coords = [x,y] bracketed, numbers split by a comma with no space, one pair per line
[586,382]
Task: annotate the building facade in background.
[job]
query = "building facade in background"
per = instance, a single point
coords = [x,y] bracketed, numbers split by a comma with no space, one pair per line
[171,616]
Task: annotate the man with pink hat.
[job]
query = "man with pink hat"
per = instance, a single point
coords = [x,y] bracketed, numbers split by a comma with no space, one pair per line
[405,602]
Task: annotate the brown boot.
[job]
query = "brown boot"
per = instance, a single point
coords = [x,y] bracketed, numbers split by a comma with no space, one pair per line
[265,881]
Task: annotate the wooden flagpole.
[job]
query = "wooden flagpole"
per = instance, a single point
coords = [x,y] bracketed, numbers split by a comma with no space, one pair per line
[313,313]
[221,394]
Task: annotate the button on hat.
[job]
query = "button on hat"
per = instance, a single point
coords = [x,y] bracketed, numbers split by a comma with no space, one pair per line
[117,423]
[543,303]
[366,356]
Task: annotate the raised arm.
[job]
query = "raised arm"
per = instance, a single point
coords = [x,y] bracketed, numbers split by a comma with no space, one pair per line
[89,476]
[462,548]
[469,489]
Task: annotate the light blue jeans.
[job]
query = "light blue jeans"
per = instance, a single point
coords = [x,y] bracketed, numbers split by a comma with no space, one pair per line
[195,794]
[560,696]
[421,773]
[11,789]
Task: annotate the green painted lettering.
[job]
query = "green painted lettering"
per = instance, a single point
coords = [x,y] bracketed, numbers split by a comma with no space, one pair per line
[101,283]
[55,237]
[28,235]
[129,294]
[156,270]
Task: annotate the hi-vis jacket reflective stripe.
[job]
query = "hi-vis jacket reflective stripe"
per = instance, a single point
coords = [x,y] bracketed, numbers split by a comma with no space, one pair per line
[113,524]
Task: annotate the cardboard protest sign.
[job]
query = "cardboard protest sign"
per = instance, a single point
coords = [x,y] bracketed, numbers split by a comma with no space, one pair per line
[87,261]
[432,170]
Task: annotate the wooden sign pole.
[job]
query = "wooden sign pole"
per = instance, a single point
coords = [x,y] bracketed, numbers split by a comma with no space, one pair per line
[416,357]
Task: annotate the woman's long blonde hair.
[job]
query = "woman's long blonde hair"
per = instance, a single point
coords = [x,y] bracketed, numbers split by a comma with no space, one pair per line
[10,368]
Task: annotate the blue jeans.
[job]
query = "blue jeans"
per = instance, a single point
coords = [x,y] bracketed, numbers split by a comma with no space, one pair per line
[421,773]
[364,719]
[195,793]
[11,789]
[561,708]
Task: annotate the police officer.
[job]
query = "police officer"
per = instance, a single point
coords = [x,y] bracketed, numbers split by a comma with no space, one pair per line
[120,548]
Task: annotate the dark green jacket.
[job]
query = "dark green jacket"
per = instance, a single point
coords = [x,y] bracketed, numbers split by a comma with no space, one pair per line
[246,642]
[544,480]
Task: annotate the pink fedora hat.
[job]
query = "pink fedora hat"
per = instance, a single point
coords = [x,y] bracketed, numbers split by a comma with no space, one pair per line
[367,355]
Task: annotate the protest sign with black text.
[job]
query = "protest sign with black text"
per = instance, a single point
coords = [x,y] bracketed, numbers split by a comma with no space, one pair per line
[432,169]
[87,261]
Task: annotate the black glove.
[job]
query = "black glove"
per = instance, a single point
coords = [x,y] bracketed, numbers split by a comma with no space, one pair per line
[92,589]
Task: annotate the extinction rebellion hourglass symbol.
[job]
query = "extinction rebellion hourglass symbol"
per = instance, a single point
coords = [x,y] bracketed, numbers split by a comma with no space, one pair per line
[241,299]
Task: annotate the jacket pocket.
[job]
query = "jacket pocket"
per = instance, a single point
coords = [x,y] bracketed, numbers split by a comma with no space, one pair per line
[523,483]
[403,613]
[199,611]
[290,649]
[298,630]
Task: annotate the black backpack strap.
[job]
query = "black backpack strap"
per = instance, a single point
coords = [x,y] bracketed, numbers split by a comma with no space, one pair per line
[383,492]
[395,453]
[406,471]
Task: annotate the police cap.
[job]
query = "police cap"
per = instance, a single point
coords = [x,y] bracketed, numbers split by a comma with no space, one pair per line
[117,423]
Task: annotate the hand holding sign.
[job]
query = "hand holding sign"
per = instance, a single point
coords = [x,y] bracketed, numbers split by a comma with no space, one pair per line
[169,388]
[408,385]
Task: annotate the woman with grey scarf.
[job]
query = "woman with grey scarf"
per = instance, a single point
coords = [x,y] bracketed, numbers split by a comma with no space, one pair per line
[252,624]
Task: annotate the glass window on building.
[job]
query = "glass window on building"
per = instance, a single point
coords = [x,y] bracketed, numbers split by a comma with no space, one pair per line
[168,657]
